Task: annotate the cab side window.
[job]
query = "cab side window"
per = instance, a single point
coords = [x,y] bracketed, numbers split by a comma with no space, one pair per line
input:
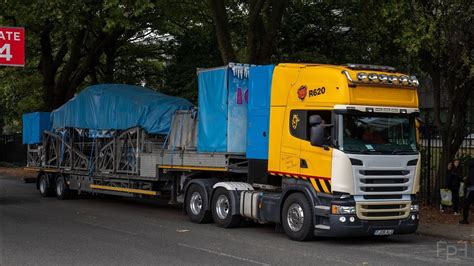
[300,127]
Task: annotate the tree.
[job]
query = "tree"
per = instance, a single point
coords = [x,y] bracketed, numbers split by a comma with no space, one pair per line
[75,37]
[445,30]
[263,19]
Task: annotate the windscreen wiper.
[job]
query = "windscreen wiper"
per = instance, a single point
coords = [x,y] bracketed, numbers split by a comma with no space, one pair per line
[402,152]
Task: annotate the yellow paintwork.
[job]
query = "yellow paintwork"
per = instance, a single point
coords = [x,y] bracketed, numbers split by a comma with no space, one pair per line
[128,190]
[218,169]
[49,170]
[285,150]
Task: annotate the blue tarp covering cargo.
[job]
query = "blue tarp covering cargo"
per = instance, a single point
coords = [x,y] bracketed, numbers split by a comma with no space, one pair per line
[223,97]
[117,106]
[33,126]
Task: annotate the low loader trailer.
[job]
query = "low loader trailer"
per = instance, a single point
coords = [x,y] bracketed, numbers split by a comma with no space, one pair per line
[322,150]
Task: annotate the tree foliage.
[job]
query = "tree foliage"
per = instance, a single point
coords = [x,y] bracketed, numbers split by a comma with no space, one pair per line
[160,43]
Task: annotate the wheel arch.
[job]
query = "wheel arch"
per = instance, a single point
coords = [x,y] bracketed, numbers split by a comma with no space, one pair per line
[50,178]
[306,190]
[234,189]
[206,184]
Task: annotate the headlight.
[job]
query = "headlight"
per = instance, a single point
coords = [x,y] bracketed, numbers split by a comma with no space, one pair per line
[337,209]
[414,208]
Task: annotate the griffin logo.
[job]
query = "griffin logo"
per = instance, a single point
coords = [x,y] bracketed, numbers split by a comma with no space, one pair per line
[294,121]
[302,92]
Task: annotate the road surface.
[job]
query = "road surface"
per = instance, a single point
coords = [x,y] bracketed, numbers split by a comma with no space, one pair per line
[116,231]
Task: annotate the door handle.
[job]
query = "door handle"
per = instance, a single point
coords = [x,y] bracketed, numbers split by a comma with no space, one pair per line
[303,163]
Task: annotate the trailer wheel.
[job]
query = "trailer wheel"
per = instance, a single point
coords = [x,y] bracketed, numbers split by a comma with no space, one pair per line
[62,191]
[297,218]
[222,209]
[196,205]
[43,186]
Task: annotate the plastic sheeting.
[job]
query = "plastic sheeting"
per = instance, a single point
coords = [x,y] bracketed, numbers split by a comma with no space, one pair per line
[118,106]
[212,112]
[223,97]
[183,131]
[237,107]
[33,126]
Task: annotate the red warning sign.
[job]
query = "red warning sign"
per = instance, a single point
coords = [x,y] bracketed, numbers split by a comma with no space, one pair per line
[12,46]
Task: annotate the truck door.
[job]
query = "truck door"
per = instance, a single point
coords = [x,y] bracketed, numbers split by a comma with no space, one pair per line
[316,162]
[291,141]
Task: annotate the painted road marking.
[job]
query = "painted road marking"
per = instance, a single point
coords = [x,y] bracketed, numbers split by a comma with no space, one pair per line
[223,254]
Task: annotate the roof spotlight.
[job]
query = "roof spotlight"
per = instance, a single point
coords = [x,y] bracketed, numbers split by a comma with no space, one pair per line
[414,81]
[361,76]
[383,78]
[373,77]
[403,79]
[392,79]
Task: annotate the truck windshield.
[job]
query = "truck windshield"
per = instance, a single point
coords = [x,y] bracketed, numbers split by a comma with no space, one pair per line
[378,133]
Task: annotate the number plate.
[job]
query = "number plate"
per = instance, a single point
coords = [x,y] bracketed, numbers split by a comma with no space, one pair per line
[385,232]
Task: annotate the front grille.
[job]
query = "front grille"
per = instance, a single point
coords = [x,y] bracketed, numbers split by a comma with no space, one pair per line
[385,207]
[372,197]
[383,210]
[383,189]
[383,182]
[384,172]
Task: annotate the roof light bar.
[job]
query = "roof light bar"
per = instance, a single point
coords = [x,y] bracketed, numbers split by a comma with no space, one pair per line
[370,67]
[383,79]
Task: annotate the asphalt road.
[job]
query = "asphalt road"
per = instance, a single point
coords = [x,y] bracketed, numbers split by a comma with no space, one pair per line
[115,231]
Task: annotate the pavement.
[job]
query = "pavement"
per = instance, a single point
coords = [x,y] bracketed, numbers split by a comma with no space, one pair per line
[449,231]
[117,231]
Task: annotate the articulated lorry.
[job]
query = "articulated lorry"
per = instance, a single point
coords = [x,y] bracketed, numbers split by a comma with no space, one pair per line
[322,150]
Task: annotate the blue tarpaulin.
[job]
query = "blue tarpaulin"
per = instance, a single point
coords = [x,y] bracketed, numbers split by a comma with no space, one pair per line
[237,105]
[33,126]
[212,114]
[118,106]
[223,99]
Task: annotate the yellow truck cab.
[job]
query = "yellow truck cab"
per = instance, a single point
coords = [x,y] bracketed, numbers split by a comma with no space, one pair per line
[347,135]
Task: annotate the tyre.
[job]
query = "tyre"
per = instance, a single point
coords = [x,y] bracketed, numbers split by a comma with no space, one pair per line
[43,186]
[196,204]
[62,191]
[297,218]
[222,209]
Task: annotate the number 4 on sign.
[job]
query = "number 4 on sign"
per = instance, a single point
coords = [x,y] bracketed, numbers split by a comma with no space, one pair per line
[5,52]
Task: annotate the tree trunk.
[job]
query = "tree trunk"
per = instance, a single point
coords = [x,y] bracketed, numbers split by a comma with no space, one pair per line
[274,22]
[256,30]
[219,14]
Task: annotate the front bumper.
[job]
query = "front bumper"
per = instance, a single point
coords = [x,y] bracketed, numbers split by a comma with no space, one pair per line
[366,227]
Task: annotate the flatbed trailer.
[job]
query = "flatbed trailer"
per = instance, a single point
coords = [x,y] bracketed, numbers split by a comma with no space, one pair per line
[293,145]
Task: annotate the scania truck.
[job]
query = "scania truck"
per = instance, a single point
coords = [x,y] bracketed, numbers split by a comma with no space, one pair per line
[322,150]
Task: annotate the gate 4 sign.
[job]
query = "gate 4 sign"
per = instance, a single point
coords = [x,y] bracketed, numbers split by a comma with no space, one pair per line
[12,46]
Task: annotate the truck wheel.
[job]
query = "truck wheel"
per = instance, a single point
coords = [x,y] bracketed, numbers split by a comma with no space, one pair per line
[196,205]
[43,186]
[222,209]
[297,218]
[62,191]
